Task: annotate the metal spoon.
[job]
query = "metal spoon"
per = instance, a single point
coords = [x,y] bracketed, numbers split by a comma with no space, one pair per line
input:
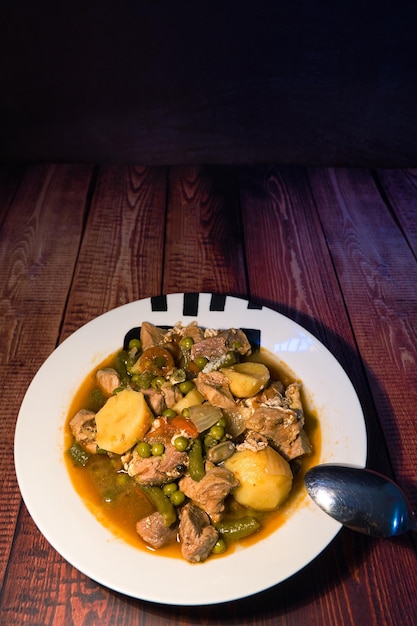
[361,499]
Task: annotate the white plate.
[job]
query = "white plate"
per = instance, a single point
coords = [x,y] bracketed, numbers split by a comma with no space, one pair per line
[75,533]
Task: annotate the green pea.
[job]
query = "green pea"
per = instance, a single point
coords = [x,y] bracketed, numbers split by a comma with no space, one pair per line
[222,422]
[135,343]
[201,362]
[142,381]
[169,413]
[209,441]
[144,449]
[219,547]
[177,497]
[185,412]
[181,443]
[122,479]
[186,386]
[169,488]
[157,382]
[217,432]
[158,449]
[186,343]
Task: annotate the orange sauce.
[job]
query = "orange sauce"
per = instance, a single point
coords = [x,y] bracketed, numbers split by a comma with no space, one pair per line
[119,509]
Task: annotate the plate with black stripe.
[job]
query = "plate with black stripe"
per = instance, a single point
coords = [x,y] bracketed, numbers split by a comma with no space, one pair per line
[75,533]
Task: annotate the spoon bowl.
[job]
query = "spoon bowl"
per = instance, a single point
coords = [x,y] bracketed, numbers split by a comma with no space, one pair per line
[360,499]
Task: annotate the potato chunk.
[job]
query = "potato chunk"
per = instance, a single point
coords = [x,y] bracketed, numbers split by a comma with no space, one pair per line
[265,478]
[246,379]
[123,420]
[192,398]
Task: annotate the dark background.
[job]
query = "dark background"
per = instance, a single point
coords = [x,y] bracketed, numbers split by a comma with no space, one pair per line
[158,82]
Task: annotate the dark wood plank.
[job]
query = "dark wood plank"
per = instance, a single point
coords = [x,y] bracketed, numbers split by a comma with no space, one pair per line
[120,260]
[400,189]
[289,267]
[40,236]
[204,236]
[378,275]
[302,253]
[121,257]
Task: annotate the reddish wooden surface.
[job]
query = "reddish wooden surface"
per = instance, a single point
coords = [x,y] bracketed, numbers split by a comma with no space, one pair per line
[332,248]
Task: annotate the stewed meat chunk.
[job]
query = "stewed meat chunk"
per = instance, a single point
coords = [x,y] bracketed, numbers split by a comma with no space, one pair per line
[108,380]
[214,386]
[153,531]
[211,491]
[198,537]
[158,470]
[218,345]
[281,427]
[83,428]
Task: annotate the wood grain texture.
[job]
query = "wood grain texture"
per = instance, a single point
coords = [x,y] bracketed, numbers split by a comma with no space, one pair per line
[330,248]
[283,240]
[290,267]
[378,275]
[121,257]
[204,235]
[400,190]
[40,236]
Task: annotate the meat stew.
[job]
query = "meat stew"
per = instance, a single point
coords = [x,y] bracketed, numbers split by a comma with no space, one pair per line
[189,441]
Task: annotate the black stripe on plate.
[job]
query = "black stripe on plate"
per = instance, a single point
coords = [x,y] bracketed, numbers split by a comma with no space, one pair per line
[159,303]
[217,302]
[254,337]
[254,305]
[133,333]
[190,304]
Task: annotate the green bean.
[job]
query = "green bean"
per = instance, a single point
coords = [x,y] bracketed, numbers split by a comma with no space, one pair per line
[238,529]
[121,360]
[162,503]
[196,462]
[78,454]
[97,399]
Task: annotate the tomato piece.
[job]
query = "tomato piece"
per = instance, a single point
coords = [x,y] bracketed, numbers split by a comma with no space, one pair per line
[157,361]
[169,427]
[182,424]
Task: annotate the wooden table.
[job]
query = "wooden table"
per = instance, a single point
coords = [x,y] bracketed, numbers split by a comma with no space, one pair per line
[334,249]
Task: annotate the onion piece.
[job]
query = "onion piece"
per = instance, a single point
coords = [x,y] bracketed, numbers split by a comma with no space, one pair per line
[204,416]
